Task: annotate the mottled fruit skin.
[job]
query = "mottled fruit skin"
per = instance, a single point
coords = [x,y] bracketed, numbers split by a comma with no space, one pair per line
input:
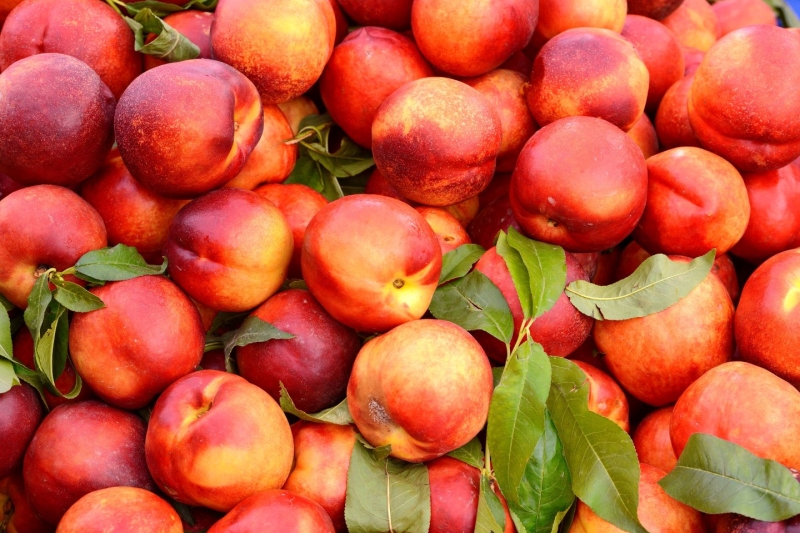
[192,24]
[314,366]
[20,415]
[149,332]
[436,141]
[369,65]
[209,418]
[120,509]
[357,279]
[733,113]
[656,357]
[229,249]
[654,9]
[56,120]
[84,29]
[321,461]
[449,232]
[768,424]
[186,128]
[644,135]
[393,14]
[43,225]
[80,448]
[672,119]
[589,205]
[735,14]
[694,24]
[652,441]
[696,201]
[276,511]
[281,45]
[605,396]
[425,366]
[557,16]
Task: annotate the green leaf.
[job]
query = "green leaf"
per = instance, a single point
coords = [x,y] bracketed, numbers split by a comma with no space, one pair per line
[657,284]
[339,414]
[519,274]
[76,389]
[474,303]
[386,494]
[169,44]
[601,457]
[5,304]
[470,453]
[161,9]
[8,378]
[457,263]
[309,172]
[491,517]
[545,494]
[546,267]
[31,377]
[75,298]
[50,351]
[716,476]
[350,160]
[38,301]
[564,520]
[516,415]
[116,264]
[226,320]
[6,347]
[253,330]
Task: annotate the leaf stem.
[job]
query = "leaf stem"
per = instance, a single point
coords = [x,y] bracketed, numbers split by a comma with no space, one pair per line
[388,494]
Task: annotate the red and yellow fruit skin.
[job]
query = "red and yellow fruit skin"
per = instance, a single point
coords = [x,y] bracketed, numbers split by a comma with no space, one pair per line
[122,510]
[735,14]
[644,135]
[558,16]
[275,511]
[605,396]
[424,388]
[652,441]
[654,9]
[449,232]
[694,24]
[672,119]
[392,14]
[23,519]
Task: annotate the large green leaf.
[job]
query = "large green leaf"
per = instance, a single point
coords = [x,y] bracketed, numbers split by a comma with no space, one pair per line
[169,45]
[546,267]
[38,302]
[339,414]
[75,298]
[519,273]
[457,263]
[51,350]
[491,517]
[8,378]
[252,330]
[6,347]
[716,476]
[116,264]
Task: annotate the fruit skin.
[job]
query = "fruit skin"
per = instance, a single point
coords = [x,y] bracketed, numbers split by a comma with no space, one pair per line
[490,220]
[56,120]
[767,424]
[592,204]
[275,511]
[392,14]
[186,128]
[210,418]
[369,65]
[321,461]
[314,366]
[767,316]
[696,201]
[80,448]
[590,72]
[429,366]
[557,16]
[84,29]
[43,225]
[20,415]
[652,441]
[357,279]
[120,509]
[23,519]
[192,24]
[605,396]
[234,265]
[672,119]
[735,14]
[281,45]
[7,186]
[694,24]
[644,135]
[297,109]
[655,9]
[734,114]
[449,232]
[149,332]
[436,140]
[731,523]
[656,357]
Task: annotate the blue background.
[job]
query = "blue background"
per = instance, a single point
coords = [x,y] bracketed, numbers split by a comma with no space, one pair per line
[795,5]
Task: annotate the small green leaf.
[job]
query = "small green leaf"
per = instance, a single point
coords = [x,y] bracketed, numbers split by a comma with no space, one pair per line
[5,304]
[50,351]
[31,377]
[38,301]
[491,517]
[339,414]
[350,160]
[519,274]
[6,347]
[169,44]
[546,265]
[457,263]
[657,284]
[516,415]
[470,453]
[716,476]
[75,298]
[116,264]
[253,330]
[8,378]
[161,9]
[386,494]
[474,303]
[226,320]
[76,389]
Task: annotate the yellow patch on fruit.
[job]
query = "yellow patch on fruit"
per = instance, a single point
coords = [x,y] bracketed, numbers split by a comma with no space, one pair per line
[792,299]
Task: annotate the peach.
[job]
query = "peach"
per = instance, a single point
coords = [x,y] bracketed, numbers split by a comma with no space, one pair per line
[672,119]
[472,37]
[211,418]
[506,90]
[696,201]
[694,24]
[449,231]
[281,45]
[313,366]
[369,65]
[774,224]
[498,187]
[644,135]
[229,249]
[656,357]
[692,57]
[272,160]
[43,227]
[275,511]
[20,415]
[357,279]
[766,332]
[192,24]
[299,204]
[80,448]
[466,210]
[377,184]
[393,14]
[605,396]
[589,205]
[7,186]
[490,221]
[766,424]
[733,523]
[5,8]
[735,14]
[84,29]
[186,128]
[120,509]
[652,442]
[321,461]
[436,141]
[133,215]
[655,9]
[296,110]
[590,72]
[425,366]
[56,120]
[660,52]
[18,514]
[342,25]
[557,16]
